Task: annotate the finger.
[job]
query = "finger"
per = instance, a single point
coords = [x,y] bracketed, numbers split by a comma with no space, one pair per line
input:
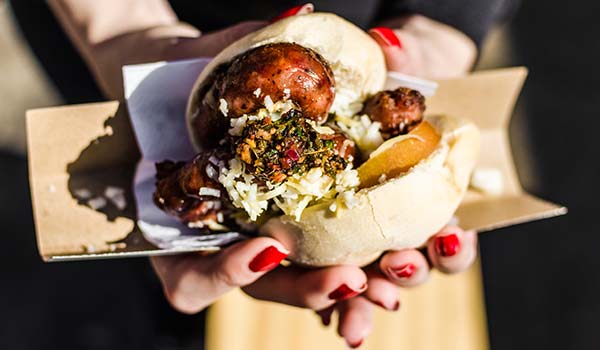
[452,250]
[210,44]
[355,320]
[405,268]
[315,289]
[395,55]
[192,282]
[381,291]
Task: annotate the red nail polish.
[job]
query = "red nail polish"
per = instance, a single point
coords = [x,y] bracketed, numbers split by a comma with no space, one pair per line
[267,259]
[356,345]
[404,271]
[380,304]
[447,245]
[344,292]
[298,10]
[387,36]
[395,307]
[326,320]
[325,316]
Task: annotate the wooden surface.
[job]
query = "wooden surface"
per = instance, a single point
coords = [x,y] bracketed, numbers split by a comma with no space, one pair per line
[446,313]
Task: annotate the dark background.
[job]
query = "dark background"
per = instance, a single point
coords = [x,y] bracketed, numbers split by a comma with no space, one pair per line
[542,280]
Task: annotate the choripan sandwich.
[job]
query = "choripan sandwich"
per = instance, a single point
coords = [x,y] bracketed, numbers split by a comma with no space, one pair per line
[297,139]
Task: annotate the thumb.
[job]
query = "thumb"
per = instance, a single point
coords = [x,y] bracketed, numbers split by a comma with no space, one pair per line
[210,44]
[396,55]
[192,282]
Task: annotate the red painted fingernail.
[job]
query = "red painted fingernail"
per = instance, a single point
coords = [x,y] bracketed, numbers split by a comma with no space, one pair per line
[298,10]
[447,245]
[325,316]
[267,259]
[404,271]
[380,304]
[344,292]
[394,307]
[386,35]
[356,344]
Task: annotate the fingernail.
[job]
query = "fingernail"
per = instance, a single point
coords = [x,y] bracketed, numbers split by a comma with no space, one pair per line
[447,245]
[325,316]
[267,259]
[386,36]
[344,292]
[403,271]
[394,307]
[355,345]
[298,10]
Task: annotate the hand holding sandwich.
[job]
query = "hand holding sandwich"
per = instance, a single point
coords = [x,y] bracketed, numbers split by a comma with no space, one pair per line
[193,282]
[234,86]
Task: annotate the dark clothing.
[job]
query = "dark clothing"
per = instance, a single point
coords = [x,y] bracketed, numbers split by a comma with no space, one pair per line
[473,17]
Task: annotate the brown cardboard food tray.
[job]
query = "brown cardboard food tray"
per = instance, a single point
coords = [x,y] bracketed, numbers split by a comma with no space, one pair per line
[91,147]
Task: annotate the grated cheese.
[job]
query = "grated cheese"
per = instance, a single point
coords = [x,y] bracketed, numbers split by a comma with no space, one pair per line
[207,191]
[223,107]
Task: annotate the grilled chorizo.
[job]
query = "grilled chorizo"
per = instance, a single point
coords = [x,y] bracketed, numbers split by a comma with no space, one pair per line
[190,191]
[281,70]
[398,110]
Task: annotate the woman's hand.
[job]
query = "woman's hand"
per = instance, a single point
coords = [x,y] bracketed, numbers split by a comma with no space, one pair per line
[194,281]
[451,250]
[422,47]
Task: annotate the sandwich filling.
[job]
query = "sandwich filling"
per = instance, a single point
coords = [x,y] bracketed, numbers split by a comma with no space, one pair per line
[284,162]
[277,137]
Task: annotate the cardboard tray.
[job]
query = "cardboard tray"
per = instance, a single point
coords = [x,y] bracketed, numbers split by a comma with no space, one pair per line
[92,147]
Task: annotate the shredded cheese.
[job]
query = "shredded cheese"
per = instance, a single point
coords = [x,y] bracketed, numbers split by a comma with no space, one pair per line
[223,107]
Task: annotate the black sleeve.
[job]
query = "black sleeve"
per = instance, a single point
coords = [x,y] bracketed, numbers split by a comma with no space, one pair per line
[472,17]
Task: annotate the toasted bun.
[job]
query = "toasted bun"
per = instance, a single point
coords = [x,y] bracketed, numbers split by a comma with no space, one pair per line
[403,212]
[355,58]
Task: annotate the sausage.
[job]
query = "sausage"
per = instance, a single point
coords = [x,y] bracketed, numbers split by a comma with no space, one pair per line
[207,122]
[276,69]
[281,70]
[342,144]
[398,110]
[179,185]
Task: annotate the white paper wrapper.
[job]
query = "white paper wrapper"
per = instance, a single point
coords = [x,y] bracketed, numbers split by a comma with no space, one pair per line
[157,95]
